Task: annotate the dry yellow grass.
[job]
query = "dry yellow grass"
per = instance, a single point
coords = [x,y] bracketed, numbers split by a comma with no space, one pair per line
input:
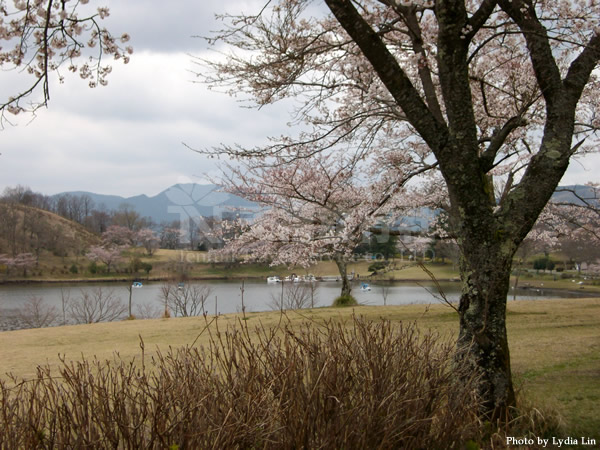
[540,332]
[555,344]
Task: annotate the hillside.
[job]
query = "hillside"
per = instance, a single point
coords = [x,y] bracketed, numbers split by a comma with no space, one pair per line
[25,229]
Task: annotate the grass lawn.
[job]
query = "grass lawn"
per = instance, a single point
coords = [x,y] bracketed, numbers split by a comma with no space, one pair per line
[554,344]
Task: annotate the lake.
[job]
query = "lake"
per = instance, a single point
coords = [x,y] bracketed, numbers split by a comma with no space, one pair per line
[226,296]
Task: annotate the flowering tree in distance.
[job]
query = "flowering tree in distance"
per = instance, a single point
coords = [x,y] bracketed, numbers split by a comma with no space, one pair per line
[120,236]
[107,255]
[22,261]
[499,94]
[147,239]
[38,37]
[317,207]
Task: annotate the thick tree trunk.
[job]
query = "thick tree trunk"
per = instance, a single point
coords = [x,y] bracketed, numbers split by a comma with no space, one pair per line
[482,338]
[342,267]
[488,232]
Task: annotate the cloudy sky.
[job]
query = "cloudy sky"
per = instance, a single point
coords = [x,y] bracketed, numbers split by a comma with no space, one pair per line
[128,138]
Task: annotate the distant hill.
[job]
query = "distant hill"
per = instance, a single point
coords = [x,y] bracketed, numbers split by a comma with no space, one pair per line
[191,200]
[180,200]
[25,229]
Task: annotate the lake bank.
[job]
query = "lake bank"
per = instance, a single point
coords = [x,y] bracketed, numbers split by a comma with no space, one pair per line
[17,301]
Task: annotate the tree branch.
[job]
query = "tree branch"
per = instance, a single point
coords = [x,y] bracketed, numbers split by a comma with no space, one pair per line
[390,73]
[481,16]
[536,37]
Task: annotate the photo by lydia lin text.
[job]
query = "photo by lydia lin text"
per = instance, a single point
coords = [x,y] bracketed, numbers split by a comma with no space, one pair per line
[553,442]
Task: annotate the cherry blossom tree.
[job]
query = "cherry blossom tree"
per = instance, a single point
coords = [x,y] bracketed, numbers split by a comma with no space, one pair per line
[39,37]
[498,94]
[317,208]
[107,255]
[170,237]
[117,235]
[22,261]
[147,239]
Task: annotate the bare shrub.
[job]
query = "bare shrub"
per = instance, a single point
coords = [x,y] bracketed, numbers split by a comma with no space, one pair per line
[187,300]
[96,305]
[294,296]
[148,311]
[35,314]
[360,385]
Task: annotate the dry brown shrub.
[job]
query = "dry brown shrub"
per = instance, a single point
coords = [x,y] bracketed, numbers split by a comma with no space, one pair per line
[354,385]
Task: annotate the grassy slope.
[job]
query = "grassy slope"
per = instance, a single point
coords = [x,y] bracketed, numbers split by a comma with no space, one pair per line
[555,346]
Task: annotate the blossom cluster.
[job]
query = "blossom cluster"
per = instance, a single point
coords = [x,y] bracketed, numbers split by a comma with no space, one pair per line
[40,37]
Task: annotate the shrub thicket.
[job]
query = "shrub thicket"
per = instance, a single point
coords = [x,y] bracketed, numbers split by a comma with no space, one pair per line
[355,385]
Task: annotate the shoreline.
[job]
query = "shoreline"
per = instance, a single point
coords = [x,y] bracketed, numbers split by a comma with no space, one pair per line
[582,292]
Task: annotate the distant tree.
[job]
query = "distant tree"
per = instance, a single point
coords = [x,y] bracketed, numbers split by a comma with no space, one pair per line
[9,220]
[189,300]
[192,232]
[170,236]
[497,95]
[579,247]
[37,230]
[117,235]
[147,239]
[41,37]
[35,314]
[544,263]
[126,216]
[18,194]
[59,243]
[384,244]
[95,305]
[98,221]
[109,256]
[447,248]
[61,205]
[23,261]
[146,267]
[87,206]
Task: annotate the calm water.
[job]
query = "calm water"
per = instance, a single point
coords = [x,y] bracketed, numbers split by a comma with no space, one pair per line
[226,296]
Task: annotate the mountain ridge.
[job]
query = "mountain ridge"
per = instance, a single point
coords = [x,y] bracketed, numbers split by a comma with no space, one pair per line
[184,200]
[177,202]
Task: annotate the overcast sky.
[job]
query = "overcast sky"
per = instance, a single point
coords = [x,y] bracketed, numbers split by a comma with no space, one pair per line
[127,138]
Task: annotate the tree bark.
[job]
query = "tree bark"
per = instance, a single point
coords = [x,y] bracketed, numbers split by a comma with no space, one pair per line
[342,267]
[482,338]
[488,231]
